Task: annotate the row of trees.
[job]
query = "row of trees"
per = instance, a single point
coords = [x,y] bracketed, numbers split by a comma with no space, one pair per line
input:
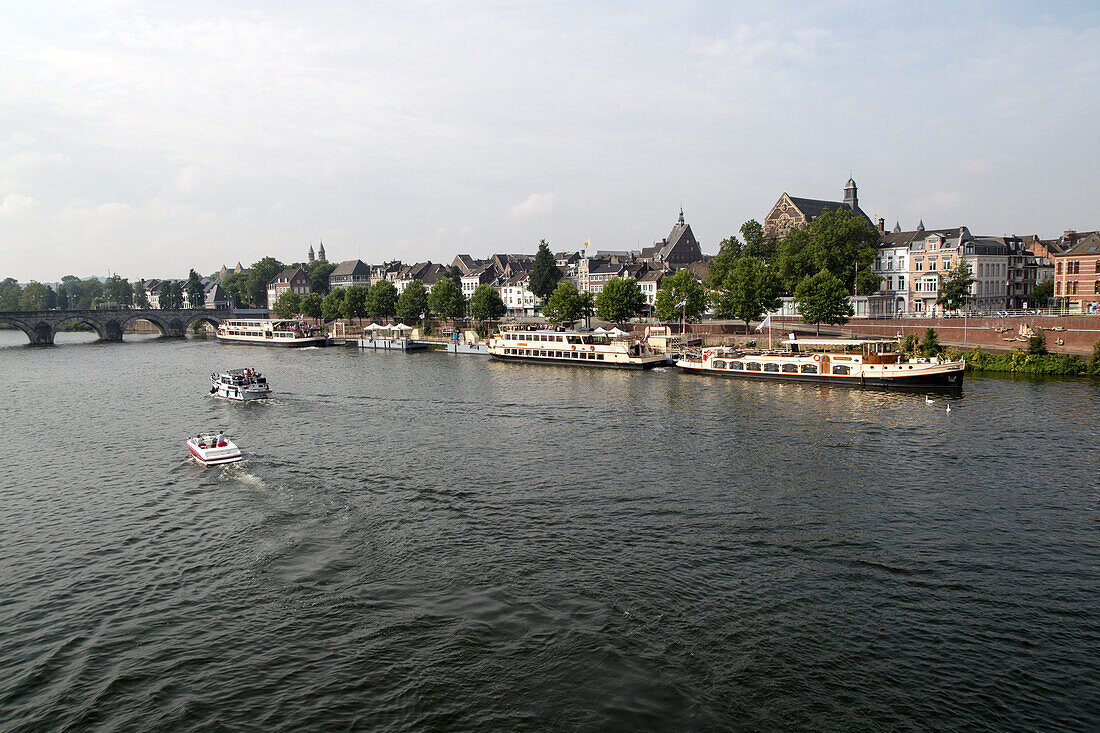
[382,300]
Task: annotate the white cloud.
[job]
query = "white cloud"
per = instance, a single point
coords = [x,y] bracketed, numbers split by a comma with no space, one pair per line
[17,206]
[535,205]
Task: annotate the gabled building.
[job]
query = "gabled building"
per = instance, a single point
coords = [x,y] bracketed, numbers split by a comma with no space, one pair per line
[215,296]
[517,296]
[350,272]
[481,275]
[794,211]
[292,279]
[1077,273]
[678,249]
[427,273]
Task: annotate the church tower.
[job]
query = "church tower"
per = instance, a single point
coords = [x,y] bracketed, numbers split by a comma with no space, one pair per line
[851,200]
[311,255]
[321,253]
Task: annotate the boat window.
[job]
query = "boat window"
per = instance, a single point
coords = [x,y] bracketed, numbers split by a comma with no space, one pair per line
[771,367]
[809,368]
[790,369]
[719,364]
[574,339]
[840,369]
[736,365]
[752,366]
[599,357]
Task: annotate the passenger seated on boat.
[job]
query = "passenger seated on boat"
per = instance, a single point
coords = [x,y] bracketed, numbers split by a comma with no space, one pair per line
[220,440]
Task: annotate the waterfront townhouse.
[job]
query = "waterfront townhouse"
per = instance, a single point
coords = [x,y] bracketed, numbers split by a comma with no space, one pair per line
[480,275]
[517,296]
[932,256]
[1077,274]
[386,271]
[349,272]
[892,265]
[988,260]
[1025,270]
[292,279]
[428,273]
[649,282]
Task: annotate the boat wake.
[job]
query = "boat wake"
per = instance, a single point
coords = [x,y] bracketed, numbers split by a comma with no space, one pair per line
[238,474]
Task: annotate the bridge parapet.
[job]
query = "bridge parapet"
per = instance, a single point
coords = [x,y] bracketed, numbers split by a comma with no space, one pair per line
[42,326]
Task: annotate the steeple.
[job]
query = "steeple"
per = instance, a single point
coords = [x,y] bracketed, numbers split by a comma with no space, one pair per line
[680,221]
[920,227]
[897,226]
[321,252]
[851,200]
[311,255]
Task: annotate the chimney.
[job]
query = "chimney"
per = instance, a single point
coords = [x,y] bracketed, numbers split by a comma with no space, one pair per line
[881,225]
[1070,235]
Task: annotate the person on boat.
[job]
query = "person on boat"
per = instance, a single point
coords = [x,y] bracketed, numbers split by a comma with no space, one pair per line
[221,438]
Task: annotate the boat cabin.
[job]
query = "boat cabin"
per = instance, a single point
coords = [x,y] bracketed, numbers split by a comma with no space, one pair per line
[873,351]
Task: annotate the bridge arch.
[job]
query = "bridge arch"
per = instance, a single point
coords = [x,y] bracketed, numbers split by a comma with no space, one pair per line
[29,330]
[149,316]
[99,328]
[201,317]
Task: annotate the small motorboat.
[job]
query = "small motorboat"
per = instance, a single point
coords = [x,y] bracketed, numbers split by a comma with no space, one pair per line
[240,384]
[212,449]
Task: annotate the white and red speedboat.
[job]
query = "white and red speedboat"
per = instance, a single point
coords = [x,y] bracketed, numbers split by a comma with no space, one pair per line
[213,449]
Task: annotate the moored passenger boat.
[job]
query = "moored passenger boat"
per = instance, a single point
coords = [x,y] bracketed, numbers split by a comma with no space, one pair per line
[864,363]
[270,332]
[240,384]
[575,348]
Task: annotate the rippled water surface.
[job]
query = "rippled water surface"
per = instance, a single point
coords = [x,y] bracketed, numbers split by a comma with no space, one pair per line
[430,541]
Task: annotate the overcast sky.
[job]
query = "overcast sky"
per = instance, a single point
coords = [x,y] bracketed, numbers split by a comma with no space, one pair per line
[150,138]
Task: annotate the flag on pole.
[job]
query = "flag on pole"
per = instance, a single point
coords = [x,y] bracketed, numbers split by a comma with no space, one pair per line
[586,244]
[681,304]
[765,323]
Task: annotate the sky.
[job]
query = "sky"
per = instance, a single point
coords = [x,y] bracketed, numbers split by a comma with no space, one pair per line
[145,139]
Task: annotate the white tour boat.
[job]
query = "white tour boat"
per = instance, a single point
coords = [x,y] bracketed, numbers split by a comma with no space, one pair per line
[576,348]
[270,332]
[209,450]
[240,384]
[871,363]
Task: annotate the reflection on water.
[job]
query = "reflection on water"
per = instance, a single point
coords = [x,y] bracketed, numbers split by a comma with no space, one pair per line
[439,541]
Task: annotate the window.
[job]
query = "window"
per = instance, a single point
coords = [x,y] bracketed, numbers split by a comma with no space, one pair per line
[719,364]
[1058,268]
[771,367]
[809,368]
[736,365]
[1058,288]
[790,369]
[918,265]
[752,366]
[931,264]
[840,369]
[1096,288]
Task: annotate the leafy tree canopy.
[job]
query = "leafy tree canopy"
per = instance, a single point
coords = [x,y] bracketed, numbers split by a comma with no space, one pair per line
[355,302]
[837,241]
[1043,292]
[446,299]
[486,303]
[287,304]
[620,300]
[822,298]
[259,275]
[867,282]
[545,273]
[750,289]
[564,304]
[757,243]
[235,285]
[729,250]
[675,289]
[319,270]
[311,305]
[196,295]
[10,292]
[412,304]
[36,297]
[141,298]
[332,307]
[956,288]
[170,295]
[382,300]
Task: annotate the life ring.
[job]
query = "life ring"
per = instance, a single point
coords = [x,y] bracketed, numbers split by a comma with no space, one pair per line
[817,357]
[591,348]
[573,348]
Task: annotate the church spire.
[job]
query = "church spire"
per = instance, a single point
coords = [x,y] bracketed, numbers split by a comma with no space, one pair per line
[321,251]
[920,227]
[311,255]
[680,221]
[851,199]
[897,226]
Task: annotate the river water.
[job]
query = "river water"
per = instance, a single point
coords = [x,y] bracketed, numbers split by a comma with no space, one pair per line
[439,542]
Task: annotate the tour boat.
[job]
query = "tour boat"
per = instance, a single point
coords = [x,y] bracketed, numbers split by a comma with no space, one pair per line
[576,348]
[240,384]
[209,451]
[872,363]
[270,332]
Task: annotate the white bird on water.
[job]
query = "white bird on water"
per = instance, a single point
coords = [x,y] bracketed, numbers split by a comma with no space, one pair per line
[928,400]
[949,407]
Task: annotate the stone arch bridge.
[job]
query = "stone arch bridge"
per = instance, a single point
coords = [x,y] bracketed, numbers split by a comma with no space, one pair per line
[42,326]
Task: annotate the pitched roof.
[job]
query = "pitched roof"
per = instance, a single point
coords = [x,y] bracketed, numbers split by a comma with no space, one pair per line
[1088,243]
[351,267]
[815,207]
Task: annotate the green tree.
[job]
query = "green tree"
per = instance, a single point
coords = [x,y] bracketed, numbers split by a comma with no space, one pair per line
[259,275]
[455,274]
[355,302]
[332,307]
[35,297]
[382,300]
[196,294]
[170,295]
[1037,344]
[486,303]
[412,304]
[729,250]
[287,304]
[545,273]
[235,285]
[62,298]
[10,293]
[1043,292]
[82,292]
[822,298]
[750,289]
[620,300]
[679,287]
[141,298]
[758,244]
[446,299]
[837,241]
[956,288]
[588,307]
[319,270]
[311,305]
[564,305]
[867,282]
[118,290]
[930,344]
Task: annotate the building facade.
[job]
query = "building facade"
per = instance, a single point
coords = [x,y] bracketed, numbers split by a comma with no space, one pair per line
[292,279]
[1077,274]
[794,211]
